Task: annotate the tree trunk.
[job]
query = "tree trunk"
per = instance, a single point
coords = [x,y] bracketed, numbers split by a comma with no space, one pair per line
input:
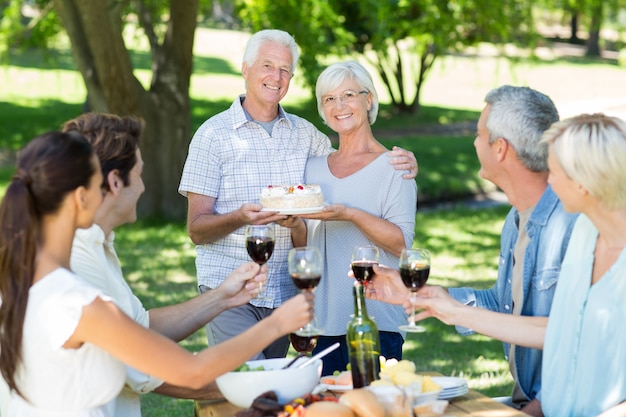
[573,25]
[95,31]
[593,43]
[224,11]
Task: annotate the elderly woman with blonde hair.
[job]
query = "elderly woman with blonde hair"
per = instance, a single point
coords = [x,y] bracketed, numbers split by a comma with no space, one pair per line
[585,339]
[370,205]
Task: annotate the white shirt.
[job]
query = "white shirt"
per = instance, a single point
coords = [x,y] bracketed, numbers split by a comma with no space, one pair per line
[56,381]
[94,259]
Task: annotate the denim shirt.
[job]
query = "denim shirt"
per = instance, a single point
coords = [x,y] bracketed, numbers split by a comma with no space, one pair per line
[549,228]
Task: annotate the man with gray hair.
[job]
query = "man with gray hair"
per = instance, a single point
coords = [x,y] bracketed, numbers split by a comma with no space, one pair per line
[536,230]
[534,237]
[232,157]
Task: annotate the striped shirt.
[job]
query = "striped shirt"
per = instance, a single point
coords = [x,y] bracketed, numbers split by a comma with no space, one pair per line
[232,158]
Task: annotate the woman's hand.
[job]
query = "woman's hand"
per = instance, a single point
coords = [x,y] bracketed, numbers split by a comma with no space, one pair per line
[295,312]
[330,212]
[434,301]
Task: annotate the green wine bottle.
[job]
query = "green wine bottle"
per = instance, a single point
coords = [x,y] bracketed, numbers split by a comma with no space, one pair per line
[363,343]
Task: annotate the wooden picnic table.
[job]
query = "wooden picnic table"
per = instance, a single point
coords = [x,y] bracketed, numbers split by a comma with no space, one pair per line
[472,404]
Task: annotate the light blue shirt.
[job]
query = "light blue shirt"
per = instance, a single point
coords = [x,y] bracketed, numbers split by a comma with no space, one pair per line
[549,228]
[585,347]
[379,190]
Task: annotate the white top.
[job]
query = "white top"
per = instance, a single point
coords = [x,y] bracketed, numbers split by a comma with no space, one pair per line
[4,397]
[379,190]
[94,259]
[584,359]
[57,381]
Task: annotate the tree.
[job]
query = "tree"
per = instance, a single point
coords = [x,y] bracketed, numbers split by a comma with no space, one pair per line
[401,39]
[95,29]
[590,14]
[595,24]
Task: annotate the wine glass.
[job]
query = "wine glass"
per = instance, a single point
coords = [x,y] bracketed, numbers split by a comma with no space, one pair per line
[414,271]
[363,260]
[305,267]
[260,245]
[303,343]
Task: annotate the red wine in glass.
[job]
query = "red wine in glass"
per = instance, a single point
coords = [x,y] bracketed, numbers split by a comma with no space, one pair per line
[260,246]
[305,265]
[306,282]
[415,278]
[260,249]
[363,260]
[303,343]
[363,270]
[414,270]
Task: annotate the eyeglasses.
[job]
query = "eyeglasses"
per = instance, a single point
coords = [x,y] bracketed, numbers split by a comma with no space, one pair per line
[347,96]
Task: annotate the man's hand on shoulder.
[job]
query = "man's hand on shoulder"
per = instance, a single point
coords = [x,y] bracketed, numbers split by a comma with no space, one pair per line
[401,159]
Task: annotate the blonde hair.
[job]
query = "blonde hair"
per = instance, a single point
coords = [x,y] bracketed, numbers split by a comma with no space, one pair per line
[591,149]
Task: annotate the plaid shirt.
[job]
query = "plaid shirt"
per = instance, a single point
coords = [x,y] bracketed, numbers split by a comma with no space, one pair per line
[232,159]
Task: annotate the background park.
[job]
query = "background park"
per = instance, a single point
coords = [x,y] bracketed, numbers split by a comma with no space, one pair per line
[178,63]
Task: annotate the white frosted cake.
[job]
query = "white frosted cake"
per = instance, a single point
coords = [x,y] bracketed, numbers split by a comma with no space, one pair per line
[292,196]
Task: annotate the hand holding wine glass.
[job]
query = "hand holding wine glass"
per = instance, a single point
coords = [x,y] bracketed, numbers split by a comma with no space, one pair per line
[305,268]
[414,271]
[363,260]
[260,246]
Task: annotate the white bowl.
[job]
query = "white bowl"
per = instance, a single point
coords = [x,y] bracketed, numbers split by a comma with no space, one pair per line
[241,388]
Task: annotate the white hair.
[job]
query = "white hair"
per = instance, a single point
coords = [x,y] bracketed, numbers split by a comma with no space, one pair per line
[337,73]
[271,35]
[591,149]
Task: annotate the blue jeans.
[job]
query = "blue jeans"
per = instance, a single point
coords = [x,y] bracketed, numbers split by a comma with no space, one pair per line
[390,347]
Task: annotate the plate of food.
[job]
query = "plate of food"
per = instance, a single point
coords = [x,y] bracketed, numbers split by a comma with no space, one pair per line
[338,383]
[293,211]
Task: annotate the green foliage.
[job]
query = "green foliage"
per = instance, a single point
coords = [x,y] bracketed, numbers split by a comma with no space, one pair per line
[317,28]
[31,24]
[31,117]
[401,39]
[448,167]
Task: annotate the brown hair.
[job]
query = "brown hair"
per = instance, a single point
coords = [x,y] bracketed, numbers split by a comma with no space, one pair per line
[114,139]
[48,168]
